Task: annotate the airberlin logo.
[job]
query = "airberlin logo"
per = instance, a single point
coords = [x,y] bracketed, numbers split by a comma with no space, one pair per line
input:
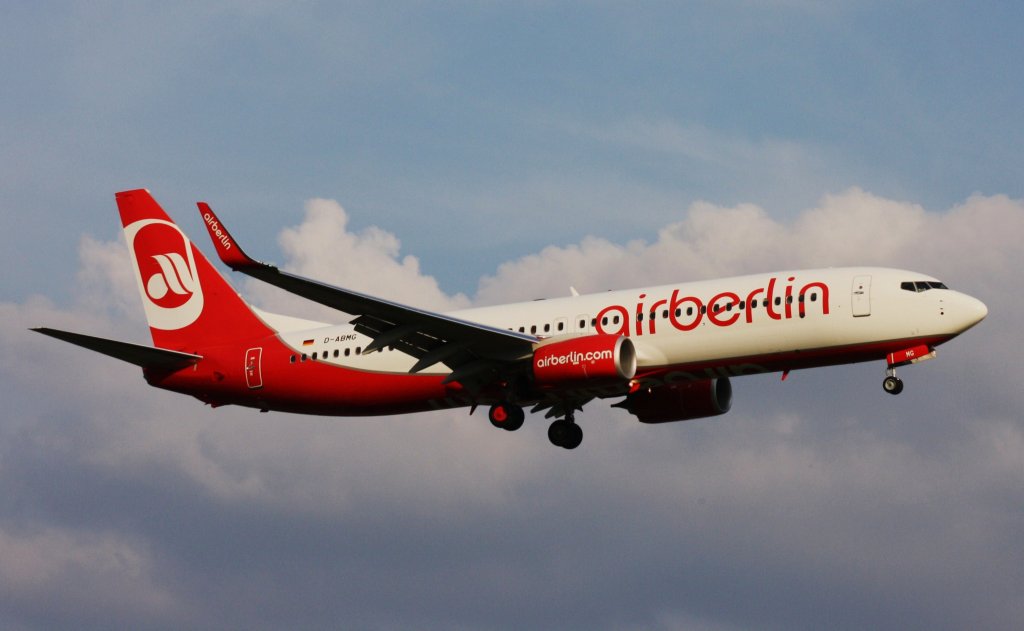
[175,280]
[575,358]
[686,312]
[165,269]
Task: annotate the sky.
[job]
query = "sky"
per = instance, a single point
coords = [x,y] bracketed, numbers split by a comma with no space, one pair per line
[452,154]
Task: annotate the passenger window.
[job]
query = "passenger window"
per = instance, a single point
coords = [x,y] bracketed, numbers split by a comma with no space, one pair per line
[615,320]
[640,317]
[348,351]
[291,359]
[303,357]
[547,328]
[778,300]
[814,296]
[561,326]
[359,349]
[533,328]
[336,352]
[604,321]
[314,355]
[664,314]
[703,309]
[583,324]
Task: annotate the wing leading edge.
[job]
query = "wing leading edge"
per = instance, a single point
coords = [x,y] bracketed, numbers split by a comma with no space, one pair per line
[471,350]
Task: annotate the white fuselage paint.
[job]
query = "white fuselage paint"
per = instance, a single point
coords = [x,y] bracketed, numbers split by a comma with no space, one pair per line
[892,314]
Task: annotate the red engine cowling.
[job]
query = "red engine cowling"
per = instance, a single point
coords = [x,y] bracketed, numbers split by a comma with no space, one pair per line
[594,359]
[680,401]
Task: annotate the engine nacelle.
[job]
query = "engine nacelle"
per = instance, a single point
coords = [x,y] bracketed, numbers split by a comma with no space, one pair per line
[680,401]
[590,360]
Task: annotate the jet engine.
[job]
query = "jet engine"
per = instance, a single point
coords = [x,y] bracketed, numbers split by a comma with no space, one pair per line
[680,401]
[590,360]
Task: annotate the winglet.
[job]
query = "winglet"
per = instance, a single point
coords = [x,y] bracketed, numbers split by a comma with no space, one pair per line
[227,248]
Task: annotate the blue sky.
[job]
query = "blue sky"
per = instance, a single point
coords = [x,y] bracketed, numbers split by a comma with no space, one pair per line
[522,124]
[445,154]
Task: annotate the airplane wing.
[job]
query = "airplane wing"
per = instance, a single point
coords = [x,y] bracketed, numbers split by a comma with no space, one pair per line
[472,351]
[143,356]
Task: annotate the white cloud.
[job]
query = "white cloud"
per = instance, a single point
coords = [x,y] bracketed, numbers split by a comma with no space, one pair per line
[322,247]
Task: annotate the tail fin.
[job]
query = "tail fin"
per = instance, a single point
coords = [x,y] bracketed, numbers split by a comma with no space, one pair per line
[188,303]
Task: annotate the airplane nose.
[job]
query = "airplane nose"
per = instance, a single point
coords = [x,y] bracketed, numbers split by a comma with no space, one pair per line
[974,311]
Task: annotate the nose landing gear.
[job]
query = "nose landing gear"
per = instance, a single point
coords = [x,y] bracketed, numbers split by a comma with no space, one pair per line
[892,384]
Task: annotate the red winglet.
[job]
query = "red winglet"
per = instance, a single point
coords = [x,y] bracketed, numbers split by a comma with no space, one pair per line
[227,248]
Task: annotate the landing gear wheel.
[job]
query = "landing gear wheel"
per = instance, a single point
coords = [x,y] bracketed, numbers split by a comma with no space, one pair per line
[892,384]
[565,434]
[506,416]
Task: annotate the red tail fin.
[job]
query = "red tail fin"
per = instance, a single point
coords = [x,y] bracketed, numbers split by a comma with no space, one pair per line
[188,303]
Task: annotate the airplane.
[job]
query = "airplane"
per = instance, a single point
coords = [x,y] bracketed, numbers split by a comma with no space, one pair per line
[667,351]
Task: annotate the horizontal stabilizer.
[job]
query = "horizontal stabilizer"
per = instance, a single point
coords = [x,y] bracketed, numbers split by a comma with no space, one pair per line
[144,356]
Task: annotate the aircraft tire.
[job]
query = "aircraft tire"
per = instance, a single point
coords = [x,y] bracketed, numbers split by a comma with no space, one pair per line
[892,385]
[506,416]
[565,434]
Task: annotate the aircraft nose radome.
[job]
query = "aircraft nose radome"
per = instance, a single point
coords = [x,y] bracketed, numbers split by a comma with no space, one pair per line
[980,310]
[974,311]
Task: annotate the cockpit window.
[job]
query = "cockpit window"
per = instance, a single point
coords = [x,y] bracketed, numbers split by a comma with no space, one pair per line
[922,285]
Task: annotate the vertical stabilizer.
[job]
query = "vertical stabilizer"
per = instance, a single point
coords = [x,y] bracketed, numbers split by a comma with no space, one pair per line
[188,303]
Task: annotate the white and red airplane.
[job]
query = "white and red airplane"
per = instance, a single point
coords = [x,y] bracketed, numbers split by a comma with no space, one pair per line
[667,351]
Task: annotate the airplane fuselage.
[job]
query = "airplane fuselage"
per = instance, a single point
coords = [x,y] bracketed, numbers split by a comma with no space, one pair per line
[718,328]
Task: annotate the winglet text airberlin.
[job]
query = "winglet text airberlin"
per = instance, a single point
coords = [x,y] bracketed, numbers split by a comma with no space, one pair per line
[216,230]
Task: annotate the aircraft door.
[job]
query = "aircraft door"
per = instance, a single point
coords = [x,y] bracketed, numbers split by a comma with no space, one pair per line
[253,372]
[861,298]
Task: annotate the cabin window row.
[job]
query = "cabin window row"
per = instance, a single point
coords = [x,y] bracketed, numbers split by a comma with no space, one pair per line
[545,328]
[716,308]
[615,319]
[348,352]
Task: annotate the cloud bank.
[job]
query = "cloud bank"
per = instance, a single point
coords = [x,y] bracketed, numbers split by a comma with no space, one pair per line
[818,502]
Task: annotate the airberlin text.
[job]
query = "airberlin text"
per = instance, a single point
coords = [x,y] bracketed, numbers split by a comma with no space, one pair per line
[727,308]
[216,230]
[575,358]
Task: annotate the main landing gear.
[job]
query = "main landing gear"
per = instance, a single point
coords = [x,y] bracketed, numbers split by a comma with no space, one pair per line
[892,384]
[506,416]
[564,433]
